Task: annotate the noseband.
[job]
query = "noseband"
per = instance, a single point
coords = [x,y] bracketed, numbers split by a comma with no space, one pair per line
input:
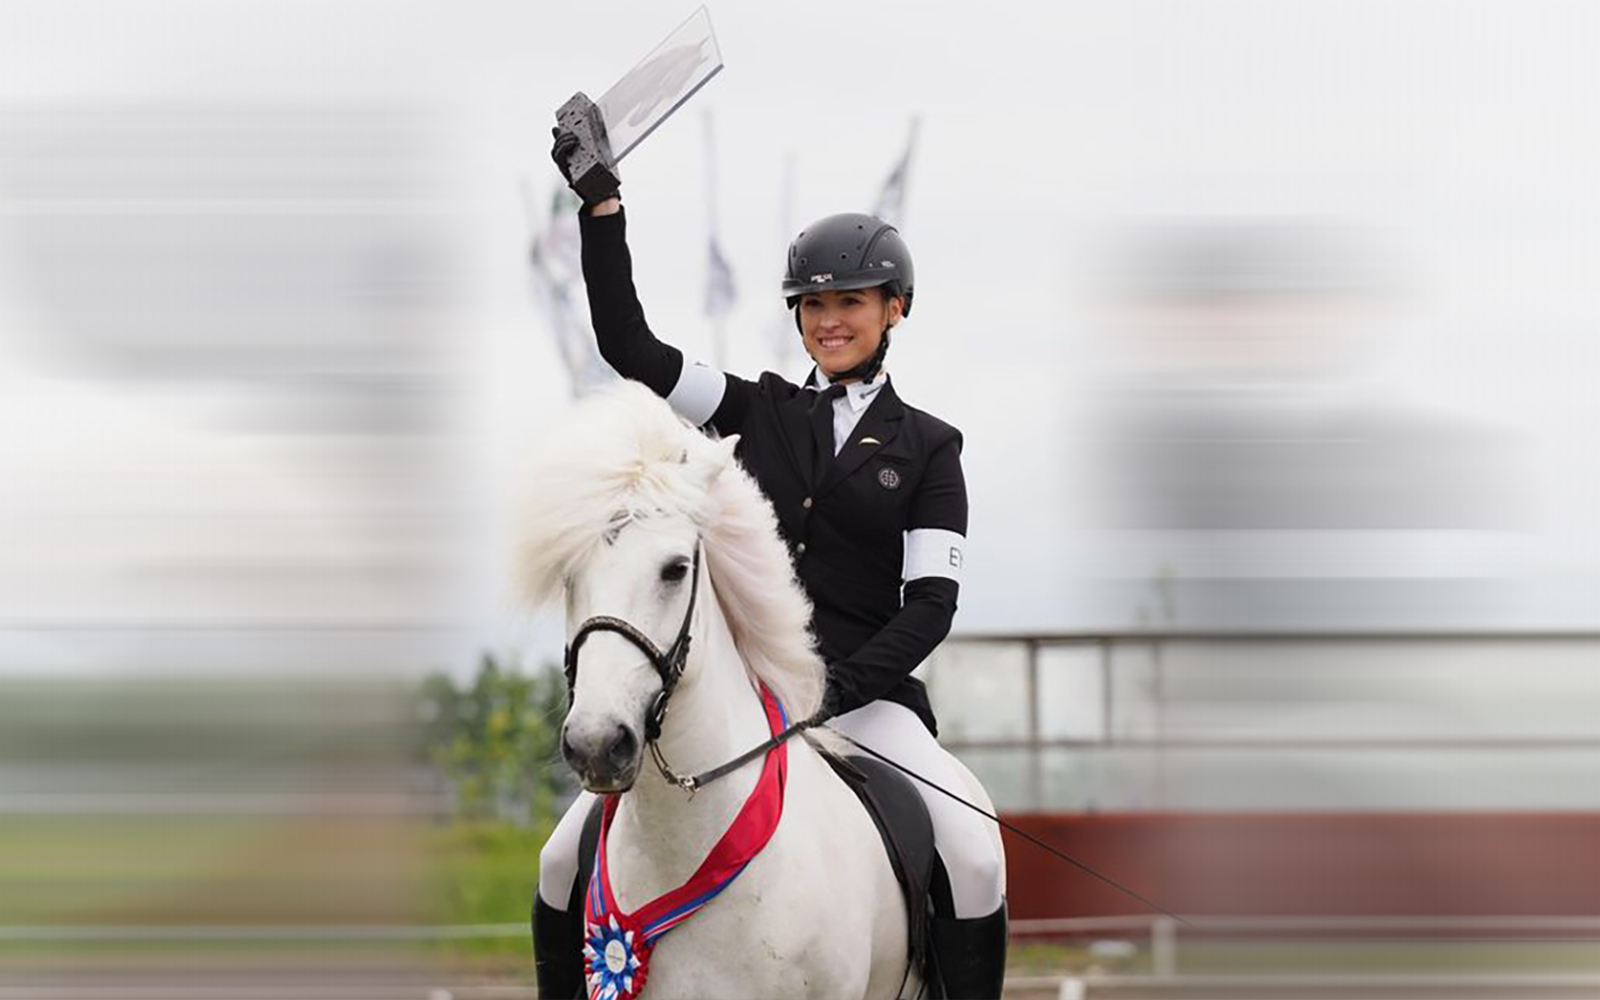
[669,665]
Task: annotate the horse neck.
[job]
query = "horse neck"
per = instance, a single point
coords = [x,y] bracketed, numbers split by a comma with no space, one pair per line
[715,715]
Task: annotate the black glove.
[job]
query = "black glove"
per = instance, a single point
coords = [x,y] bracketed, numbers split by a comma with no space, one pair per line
[566,143]
[820,717]
[830,703]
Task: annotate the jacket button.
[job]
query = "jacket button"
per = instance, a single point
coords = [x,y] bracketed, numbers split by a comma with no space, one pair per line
[801,548]
[806,503]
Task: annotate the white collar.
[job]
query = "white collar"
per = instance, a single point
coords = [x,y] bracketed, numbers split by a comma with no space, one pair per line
[859,394]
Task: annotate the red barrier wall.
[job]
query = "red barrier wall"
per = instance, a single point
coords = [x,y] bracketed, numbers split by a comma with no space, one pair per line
[1351,864]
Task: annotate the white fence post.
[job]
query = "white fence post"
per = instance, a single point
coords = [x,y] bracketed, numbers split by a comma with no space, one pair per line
[1164,946]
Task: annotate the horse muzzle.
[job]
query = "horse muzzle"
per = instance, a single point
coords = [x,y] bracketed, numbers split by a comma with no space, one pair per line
[604,756]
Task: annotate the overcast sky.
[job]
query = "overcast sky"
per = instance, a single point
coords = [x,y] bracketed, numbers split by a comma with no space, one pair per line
[1409,187]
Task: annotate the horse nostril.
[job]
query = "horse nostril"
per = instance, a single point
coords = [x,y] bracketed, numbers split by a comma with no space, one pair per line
[568,752]
[624,748]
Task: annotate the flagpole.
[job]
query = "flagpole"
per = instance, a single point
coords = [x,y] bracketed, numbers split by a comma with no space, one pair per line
[545,282]
[717,312]
[891,203]
[783,339]
[554,283]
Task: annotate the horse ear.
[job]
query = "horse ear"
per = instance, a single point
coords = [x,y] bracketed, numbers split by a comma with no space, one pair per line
[716,456]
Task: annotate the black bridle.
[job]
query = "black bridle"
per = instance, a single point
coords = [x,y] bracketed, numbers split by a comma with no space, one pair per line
[669,664]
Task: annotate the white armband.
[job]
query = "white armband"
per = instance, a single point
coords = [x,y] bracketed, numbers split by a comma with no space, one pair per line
[698,393]
[934,552]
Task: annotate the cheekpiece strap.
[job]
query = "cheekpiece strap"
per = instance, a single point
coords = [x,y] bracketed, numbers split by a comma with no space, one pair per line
[669,665]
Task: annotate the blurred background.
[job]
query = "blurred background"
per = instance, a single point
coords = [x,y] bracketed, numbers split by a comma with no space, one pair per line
[1270,328]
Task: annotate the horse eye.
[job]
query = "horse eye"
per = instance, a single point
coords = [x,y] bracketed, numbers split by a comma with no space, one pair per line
[674,571]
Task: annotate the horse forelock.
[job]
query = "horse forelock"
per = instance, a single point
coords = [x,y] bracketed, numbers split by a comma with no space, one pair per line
[615,459]
[625,456]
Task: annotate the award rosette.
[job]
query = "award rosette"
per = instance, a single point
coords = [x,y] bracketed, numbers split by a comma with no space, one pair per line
[617,944]
[615,959]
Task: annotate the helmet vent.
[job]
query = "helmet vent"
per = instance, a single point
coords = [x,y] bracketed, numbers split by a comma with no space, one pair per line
[845,252]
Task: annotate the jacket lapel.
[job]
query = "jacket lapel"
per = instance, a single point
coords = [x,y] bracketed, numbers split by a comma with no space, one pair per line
[877,427]
[793,416]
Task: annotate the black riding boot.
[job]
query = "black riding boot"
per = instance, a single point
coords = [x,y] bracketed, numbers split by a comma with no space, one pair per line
[972,955]
[557,951]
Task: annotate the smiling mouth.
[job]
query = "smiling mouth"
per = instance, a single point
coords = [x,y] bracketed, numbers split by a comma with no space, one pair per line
[829,343]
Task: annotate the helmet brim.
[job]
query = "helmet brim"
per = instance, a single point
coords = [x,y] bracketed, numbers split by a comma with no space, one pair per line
[793,288]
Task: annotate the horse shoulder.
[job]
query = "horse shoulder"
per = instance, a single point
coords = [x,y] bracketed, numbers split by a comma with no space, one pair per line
[798,921]
[835,870]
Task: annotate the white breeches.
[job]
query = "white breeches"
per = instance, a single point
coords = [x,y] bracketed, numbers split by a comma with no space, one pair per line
[558,859]
[963,838]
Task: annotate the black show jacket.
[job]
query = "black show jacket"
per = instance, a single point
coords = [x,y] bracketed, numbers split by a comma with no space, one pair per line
[845,518]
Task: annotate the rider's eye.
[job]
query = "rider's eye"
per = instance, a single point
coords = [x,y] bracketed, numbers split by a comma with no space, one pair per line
[674,571]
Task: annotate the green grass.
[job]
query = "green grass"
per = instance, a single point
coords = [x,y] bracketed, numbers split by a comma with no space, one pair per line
[56,870]
[73,871]
[1045,958]
[485,873]
[127,870]
[95,869]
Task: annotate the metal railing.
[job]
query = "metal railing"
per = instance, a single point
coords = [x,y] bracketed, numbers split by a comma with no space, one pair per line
[1159,694]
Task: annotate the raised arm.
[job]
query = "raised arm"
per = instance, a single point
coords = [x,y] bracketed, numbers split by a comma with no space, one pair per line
[700,394]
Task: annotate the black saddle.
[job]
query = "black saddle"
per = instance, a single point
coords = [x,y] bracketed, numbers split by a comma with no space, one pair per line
[897,810]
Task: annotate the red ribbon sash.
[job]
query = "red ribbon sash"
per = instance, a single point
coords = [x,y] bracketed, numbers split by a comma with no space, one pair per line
[617,952]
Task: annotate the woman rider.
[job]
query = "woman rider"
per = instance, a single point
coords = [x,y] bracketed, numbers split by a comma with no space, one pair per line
[869,495]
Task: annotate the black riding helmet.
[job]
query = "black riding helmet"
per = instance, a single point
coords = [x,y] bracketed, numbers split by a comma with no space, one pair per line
[845,252]
[848,251]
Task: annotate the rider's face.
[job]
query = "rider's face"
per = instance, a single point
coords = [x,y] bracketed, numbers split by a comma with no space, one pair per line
[843,329]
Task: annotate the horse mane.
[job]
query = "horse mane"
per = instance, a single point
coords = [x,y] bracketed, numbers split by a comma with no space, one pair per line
[624,453]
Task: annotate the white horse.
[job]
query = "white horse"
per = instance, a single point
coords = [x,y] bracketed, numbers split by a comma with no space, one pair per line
[624,506]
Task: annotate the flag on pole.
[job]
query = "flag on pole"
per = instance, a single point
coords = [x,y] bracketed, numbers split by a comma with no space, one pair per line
[891,203]
[720,289]
[557,271]
[782,336]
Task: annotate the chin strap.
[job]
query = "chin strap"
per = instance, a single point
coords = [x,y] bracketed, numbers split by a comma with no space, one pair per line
[866,370]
